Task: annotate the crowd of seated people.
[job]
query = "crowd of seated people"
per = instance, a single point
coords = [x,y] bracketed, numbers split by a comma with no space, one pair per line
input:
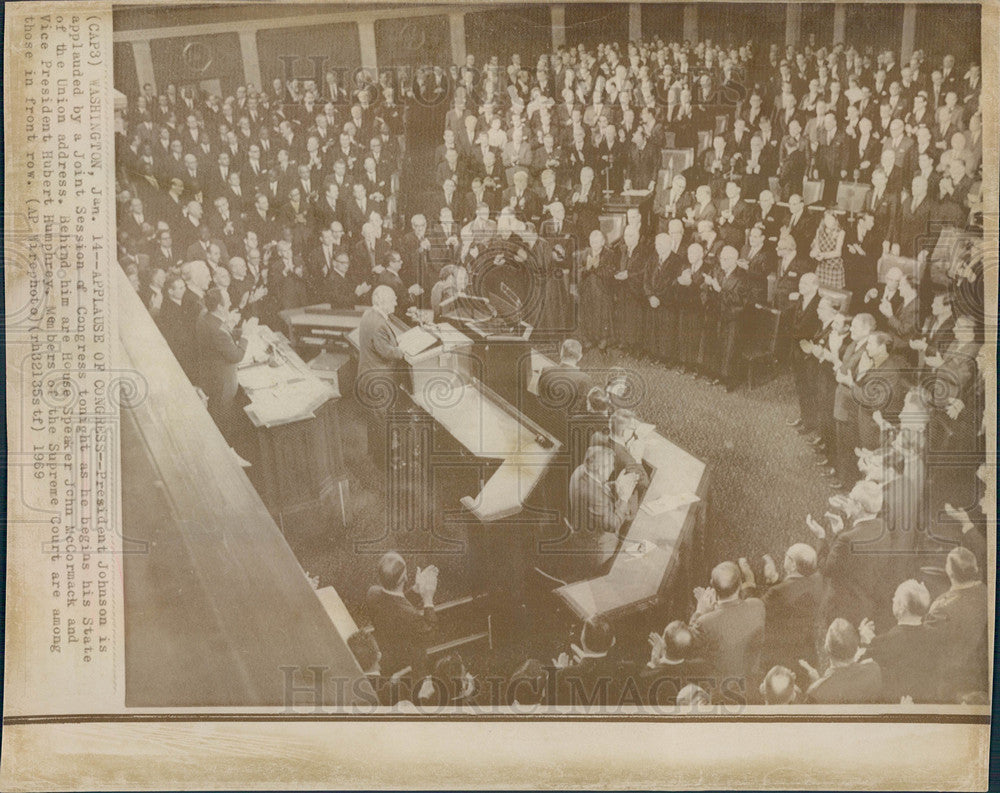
[290,195]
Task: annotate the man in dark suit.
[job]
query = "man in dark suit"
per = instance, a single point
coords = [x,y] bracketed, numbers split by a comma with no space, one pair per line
[878,386]
[590,674]
[798,224]
[165,255]
[883,204]
[672,665]
[729,291]
[791,606]
[728,631]
[857,571]
[565,386]
[905,653]
[339,289]
[958,622]
[805,323]
[525,203]
[403,628]
[174,325]
[846,681]
[911,232]
[219,348]
[624,442]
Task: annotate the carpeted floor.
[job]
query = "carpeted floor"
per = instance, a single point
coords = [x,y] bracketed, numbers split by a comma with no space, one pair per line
[763,482]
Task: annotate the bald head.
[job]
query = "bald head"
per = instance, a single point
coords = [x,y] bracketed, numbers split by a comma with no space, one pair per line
[726,579]
[801,558]
[384,298]
[778,687]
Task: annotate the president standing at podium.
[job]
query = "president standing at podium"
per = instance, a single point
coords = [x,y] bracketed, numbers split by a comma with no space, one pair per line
[380,365]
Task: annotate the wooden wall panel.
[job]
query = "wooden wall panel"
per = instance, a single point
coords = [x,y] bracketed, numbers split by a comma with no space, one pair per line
[523,29]
[125,80]
[949,27]
[592,23]
[337,45]
[188,60]
[419,41]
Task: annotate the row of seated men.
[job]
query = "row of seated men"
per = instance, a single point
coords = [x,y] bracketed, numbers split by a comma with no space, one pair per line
[796,637]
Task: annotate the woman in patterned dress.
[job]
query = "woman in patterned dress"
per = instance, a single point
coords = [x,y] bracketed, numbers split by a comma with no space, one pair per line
[826,252]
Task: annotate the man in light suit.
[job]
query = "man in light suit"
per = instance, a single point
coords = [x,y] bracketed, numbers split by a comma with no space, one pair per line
[379,351]
[380,364]
[219,349]
[728,632]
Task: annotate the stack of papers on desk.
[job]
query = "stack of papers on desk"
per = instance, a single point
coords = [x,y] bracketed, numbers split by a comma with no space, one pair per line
[258,376]
[288,401]
[415,341]
[668,502]
[643,429]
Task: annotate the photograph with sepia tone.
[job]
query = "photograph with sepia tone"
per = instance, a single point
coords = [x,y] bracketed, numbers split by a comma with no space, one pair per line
[550,380]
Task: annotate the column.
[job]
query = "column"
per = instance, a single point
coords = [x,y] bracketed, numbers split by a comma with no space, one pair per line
[558,14]
[793,23]
[909,31]
[143,63]
[366,41]
[691,22]
[839,23]
[634,21]
[456,27]
[251,59]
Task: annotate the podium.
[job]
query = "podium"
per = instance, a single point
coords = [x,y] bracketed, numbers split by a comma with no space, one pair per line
[296,424]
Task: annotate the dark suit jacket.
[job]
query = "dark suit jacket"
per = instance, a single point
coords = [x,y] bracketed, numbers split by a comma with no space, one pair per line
[592,680]
[911,226]
[792,606]
[957,622]
[880,388]
[858,584]
[565,388]
[338,290]
[178,332]
[219,351]
[660,685]
[730,638]
[908,658]
[855,683]
[403,630]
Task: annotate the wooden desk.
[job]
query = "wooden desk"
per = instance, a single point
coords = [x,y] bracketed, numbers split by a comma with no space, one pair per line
[297,427]
[319,325]
[676,538]
[484,424]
